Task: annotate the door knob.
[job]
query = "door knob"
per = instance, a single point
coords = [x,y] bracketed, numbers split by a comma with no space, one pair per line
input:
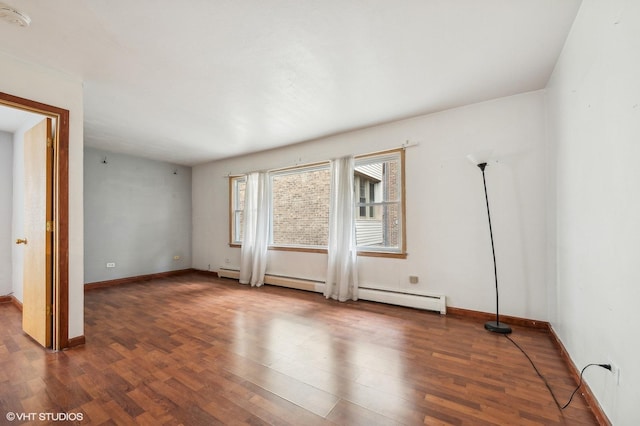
[21,241]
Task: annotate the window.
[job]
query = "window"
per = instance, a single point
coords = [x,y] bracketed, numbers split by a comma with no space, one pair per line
[237,186]
[380,205]
[300,206]
[366,191]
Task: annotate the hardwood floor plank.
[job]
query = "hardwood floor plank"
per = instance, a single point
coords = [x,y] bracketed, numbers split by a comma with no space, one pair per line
[348,413]
[197,350]
[95,412]
[194,415]
[308,397]
[117,414]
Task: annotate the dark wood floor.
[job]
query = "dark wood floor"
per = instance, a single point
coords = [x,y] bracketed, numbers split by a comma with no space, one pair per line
[195,350]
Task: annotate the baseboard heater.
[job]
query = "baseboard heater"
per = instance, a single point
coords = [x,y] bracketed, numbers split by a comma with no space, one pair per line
[279,280]
[429,302]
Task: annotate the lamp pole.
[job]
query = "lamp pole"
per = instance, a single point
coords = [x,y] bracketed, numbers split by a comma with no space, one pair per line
[495,326]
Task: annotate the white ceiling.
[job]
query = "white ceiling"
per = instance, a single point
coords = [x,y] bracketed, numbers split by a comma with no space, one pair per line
[12,119]
[198,80]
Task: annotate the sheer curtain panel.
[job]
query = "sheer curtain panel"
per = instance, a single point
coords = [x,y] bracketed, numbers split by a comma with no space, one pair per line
[342,269]
[255,240]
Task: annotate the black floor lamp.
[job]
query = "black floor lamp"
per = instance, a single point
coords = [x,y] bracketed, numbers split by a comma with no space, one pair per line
[495,326]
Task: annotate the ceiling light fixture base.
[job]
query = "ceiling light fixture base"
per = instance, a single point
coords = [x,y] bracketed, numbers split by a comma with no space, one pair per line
[14,16]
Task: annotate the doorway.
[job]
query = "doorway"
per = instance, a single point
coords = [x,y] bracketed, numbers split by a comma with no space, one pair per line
[60,226]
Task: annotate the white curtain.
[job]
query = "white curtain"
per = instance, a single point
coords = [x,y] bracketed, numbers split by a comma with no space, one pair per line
[255,238]
[342,270]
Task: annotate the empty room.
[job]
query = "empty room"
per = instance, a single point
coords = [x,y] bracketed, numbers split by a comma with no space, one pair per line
[306,212]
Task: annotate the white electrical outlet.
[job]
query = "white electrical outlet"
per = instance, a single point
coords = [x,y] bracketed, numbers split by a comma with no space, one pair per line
[413,279]
[111,264]
[615,370]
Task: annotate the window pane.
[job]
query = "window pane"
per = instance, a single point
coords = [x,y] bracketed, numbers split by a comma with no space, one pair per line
[383,230]
[392,181]
[301,208]
[239,216]
[241,184]
[363,199]
[391,219]
[238,185]
[372,197]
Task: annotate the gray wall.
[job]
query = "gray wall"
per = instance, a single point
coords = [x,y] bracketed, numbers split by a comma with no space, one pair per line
[137,214]
[6,202]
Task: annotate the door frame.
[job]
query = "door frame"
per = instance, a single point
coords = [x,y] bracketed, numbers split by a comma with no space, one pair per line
[60,290]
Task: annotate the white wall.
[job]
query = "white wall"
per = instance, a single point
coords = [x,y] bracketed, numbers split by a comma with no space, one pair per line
[137,215]
[54,88]
[447,231]
[6,196]
[594,117]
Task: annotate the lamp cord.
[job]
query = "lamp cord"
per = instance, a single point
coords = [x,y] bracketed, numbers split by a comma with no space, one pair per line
[560,407]
[538,372]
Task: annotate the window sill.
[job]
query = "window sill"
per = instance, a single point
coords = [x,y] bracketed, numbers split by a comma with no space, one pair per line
[382,254]
[324,251]
[299,249]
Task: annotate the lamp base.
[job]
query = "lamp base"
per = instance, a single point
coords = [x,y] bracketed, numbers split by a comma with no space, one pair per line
[497,327]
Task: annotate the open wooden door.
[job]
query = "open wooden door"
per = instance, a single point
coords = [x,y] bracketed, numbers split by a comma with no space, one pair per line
[38,229]
[60,179]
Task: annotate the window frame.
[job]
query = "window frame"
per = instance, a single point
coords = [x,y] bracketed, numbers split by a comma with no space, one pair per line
[233,204]
[370,251]
[307,168]
[401,251]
